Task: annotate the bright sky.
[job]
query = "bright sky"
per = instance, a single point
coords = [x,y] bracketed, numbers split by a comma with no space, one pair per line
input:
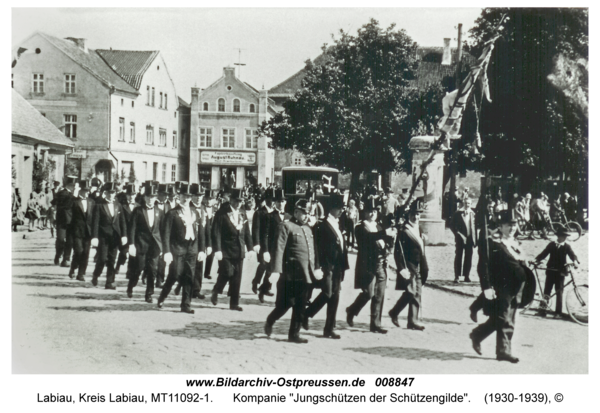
[198,43]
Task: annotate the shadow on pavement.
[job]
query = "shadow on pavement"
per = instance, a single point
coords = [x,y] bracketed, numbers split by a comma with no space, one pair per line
[240,330]
[407,353]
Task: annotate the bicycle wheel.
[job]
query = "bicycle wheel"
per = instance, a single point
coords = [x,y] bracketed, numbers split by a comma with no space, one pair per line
[577,302]
[575,230]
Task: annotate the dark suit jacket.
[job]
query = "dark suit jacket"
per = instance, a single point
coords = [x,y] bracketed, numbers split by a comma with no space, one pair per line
[558,256]
[272,224]
[128,212]
[459,227]
[174,233]
[82,222]
[333,257]
[370,254]
[295,255]
[141,234]
[227,238]
[63,200]
[414,259]
[260,227]
[107,226]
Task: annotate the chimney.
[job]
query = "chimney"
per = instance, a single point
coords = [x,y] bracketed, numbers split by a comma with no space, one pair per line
[195,104]
[229,71]
[81,43]
[447,55]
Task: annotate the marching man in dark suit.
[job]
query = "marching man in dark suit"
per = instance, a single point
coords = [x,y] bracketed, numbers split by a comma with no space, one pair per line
[63,201]
[465,236]
[81,231]
[145,242]
[109,232]
[260,236]
[165,207]
[196,202]
[506,280]
[295,261]
[411,262]
[231,240]
[333,258]
[128,206]
[371,261]
[183,245]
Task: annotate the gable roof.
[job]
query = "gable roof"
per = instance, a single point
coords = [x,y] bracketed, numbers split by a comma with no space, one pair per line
[294,82]
[28,122]
[129,64]
[90,61]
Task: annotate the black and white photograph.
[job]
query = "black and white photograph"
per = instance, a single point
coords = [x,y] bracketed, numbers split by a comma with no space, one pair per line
[300,191]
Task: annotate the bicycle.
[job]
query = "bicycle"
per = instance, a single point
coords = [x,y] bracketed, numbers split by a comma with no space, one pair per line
[576,298]
[573,227]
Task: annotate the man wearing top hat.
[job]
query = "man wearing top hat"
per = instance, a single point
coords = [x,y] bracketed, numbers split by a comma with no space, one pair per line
[277,216]
[260,227]
[296,262]
[333,258]
[172,196]
[81,230]
[370,276]
[165,207]
[183,245]
[196,202]
[128,205]
[231,239]
[63,201]
[109,231]
[411,262]
[505,279]
[145,242]
[211,206]
[465,236]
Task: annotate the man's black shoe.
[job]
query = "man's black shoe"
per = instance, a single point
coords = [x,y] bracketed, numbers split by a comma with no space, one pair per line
[254,287]
[187,310]
[65,263]
[417,327]
[473,316]
[378,330]
[269,294]
[261,297]
[268,329]
[148,299]
[56,260]
[214,298]
[349,318]
[236,308]
[71,274]
[199,296]
[158,284]
[94,281]
[467,279]
[298,340]
[208,277]
[456,280]
[80,278]
[506,357]
[129,293]
[110,287]
[160,303]
[332,335]
[394,319]
[305,323]
[476,344]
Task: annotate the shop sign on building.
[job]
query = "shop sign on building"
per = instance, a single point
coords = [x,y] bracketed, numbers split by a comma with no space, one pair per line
[228,158]
[82,154]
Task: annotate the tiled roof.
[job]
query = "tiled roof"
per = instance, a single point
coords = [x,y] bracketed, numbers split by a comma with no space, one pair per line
[129,64]
[28,122]
[294,82]
[183,103]
[91,62]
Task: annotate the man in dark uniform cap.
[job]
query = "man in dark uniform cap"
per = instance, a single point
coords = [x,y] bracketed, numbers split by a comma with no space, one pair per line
[63,200]
[109,232]
[81,230]
[295,262]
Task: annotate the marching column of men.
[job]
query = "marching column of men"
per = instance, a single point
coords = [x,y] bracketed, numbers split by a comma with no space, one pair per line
[176,230]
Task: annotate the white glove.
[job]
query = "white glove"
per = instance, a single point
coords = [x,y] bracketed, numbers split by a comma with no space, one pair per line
[201,256]
[168,258]
[208,250]
[218,255]
[132,250]
[405,274]
[390,232]
[256,249]
[267,257]
[273,274]
[123,240]
[94,242]
[318,274]
[490,294]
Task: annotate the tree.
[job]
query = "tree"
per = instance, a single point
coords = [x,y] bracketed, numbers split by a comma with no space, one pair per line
[359,109]
[132,177]
[536,125]
[42,172]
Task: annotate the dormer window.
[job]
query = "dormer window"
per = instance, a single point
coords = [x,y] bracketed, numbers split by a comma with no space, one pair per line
[236,105]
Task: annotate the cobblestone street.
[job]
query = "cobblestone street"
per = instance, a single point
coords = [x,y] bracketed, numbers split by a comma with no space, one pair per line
[65,326]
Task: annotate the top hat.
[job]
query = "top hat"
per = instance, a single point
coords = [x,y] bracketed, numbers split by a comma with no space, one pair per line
[150,189]
[185,189]
[130,189]
[109,187]
[561,230]
[96,182]
[370,204]
[506,217]
[177,185]
[269,193]
[236,193]
[207,193]
[84,185]
[56,183]
[70,180]
[162,188]
[302,204]
[170,189]
[278,195]
[416,207]
[336,201]
[388,190]
[195,189]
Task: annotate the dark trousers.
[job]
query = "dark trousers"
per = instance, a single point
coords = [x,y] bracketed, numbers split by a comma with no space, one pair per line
[374,292]
[198,274]
[123,252]
[350,237]
[461,268]
[262,269]
[289,294]
[331,285]
[81,255]
[107,254]
[410,297]
[230,271]
[146,261]
[209,263]
[556,280]
[64,244]
[502,321]
[160,272]
[478,304]
[181,270]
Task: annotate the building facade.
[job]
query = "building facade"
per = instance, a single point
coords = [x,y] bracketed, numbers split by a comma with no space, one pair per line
[119,107]
[225,148]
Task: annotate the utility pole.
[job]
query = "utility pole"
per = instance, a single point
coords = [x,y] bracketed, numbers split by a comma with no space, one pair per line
[239,63]
[454,155]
